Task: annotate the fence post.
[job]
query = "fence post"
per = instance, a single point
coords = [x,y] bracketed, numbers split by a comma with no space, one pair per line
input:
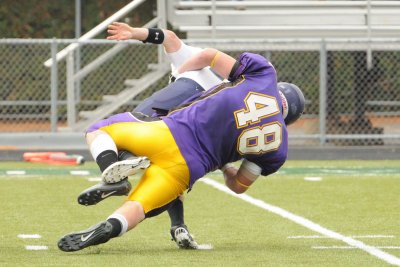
[162,23]
[71,118]
[323,75]
[78,9]
[369,49]
[54,87]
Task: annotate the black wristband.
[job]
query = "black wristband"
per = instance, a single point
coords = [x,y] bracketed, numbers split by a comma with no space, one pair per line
[156,36]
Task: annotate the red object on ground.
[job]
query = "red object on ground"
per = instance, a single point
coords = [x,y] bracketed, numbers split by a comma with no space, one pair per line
[55,158]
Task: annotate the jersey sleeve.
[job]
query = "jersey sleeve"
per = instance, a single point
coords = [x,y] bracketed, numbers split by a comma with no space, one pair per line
[249,63]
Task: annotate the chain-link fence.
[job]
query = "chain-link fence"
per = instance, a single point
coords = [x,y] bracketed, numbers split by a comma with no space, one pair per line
[352,88]
[26,100]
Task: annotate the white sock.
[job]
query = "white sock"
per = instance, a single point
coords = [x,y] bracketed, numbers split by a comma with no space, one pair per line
[102,143]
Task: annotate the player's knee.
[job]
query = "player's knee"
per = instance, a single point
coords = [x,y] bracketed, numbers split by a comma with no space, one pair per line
[90,136]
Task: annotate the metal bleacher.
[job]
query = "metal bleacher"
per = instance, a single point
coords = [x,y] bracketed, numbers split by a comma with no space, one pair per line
[286,19]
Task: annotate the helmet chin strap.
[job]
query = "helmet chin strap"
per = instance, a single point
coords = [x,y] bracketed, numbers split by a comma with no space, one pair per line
[285,107]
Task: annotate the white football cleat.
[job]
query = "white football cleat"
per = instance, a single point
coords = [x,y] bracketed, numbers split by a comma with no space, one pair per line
[180,234]
[120,170]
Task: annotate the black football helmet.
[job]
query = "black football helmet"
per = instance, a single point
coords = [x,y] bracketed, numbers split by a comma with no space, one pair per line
[293,101]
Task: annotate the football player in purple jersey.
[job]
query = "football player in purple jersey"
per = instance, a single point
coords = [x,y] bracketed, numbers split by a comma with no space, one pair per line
[250,113]
[184,86]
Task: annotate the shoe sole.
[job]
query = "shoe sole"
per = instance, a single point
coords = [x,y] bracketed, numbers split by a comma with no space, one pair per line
[122,169]
[96,193]
[77,241]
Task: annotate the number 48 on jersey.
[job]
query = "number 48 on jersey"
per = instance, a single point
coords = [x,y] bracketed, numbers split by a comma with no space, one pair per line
[263,138]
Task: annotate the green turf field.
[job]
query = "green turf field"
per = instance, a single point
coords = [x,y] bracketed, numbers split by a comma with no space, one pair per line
[311,213]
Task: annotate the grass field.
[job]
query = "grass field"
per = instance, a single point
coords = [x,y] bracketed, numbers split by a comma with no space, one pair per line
[311,213]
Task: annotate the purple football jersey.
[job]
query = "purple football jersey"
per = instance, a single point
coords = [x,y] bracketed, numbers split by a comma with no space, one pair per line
[236,120]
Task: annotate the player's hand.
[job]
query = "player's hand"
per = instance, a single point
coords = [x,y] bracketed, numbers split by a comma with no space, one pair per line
[119,31]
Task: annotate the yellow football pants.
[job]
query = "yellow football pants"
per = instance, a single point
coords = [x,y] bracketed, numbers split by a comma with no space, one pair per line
[168,175]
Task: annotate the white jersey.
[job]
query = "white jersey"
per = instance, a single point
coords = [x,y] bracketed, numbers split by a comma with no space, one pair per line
[205,77]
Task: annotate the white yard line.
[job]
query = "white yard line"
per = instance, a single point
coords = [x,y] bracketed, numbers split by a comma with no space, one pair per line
[36,247]
[29,236]
[306,223]
[80,172]
[350,247]
[16,172]
[313,179]
[353,236]
[204,247]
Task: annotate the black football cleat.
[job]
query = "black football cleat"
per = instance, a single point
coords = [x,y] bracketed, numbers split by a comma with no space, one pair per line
[95,235]
[180,234]
[101,191]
